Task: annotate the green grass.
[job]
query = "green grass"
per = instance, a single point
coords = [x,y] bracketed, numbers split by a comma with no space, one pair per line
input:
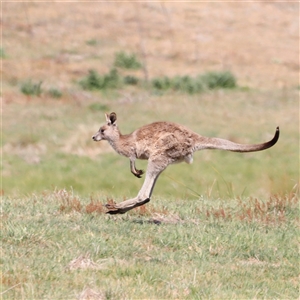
[193,85]
[213,229]
[94,81]
[30,88]
[185,84]
[225,227]
[51,146]
[55,93]
[56,245]
[127,61]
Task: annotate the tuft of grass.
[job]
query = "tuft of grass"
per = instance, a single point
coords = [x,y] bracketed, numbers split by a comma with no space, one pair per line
[193,85]
[92,42]
[185,84]
[55,93]
[161,83]
[131,80]
[127,61]
[30,88]
[94,81]
[215,80]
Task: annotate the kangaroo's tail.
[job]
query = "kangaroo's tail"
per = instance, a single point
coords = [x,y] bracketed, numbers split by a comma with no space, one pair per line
[216,143]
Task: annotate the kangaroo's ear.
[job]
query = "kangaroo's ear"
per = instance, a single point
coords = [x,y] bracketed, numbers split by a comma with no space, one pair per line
[107,118]
[113,118]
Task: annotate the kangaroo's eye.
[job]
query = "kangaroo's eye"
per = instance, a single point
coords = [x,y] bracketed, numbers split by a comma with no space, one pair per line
[102,130]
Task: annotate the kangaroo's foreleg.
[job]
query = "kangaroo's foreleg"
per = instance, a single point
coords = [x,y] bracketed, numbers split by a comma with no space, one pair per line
[134,170]
[153,171]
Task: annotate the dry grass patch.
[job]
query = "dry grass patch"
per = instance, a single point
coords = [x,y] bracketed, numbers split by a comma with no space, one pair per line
[272,211]
[255,262]
[95,206]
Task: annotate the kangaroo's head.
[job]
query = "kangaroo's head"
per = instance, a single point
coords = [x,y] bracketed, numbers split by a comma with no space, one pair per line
[109,131]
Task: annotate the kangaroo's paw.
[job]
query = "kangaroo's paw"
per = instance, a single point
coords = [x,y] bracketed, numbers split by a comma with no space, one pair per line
[114,209]
[138,173]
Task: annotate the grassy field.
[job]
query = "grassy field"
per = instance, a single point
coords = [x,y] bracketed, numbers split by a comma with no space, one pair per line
[225,227]
[60,246]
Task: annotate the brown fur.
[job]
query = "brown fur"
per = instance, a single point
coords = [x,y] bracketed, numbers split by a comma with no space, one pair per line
[162,144]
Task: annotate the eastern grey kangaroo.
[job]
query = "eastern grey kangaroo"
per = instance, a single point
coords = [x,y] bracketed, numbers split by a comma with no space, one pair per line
[162,144]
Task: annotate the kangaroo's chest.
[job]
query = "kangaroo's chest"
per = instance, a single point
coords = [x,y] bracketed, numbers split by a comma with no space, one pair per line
[142,152]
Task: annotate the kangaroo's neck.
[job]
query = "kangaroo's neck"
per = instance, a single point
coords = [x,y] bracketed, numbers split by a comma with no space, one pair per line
[122,144]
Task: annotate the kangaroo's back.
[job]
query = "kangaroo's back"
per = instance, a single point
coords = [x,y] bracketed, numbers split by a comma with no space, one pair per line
[165,138]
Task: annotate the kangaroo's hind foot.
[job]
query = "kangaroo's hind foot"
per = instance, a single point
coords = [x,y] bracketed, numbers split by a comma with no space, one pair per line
[124,206]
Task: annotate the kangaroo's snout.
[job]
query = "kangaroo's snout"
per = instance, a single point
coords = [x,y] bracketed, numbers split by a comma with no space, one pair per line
[96,137]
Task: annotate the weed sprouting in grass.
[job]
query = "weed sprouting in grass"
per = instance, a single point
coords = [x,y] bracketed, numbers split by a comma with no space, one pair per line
[30,88]
[127,61]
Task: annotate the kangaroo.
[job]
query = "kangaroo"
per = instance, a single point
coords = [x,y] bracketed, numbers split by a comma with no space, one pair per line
[162,144]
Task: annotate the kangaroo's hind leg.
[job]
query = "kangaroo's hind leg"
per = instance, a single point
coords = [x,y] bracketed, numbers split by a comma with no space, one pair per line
[154,169]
